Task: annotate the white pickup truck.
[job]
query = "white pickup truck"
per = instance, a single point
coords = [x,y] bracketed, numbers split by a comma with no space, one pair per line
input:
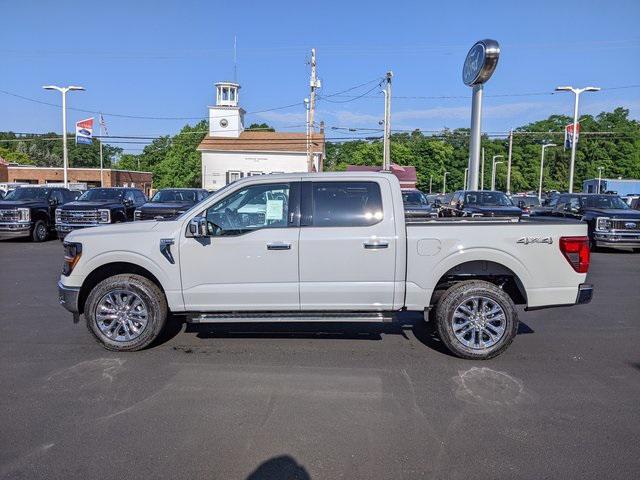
[321,247]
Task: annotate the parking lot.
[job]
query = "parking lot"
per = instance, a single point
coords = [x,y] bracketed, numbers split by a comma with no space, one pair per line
[318,401]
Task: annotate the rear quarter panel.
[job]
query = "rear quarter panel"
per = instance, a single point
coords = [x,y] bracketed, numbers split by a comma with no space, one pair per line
[547,277]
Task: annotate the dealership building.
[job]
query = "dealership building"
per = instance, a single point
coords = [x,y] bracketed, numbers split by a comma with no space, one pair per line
[229,152]
[88,176]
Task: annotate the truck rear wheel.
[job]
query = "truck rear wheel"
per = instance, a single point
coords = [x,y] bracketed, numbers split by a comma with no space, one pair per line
[126,312]
[476,320]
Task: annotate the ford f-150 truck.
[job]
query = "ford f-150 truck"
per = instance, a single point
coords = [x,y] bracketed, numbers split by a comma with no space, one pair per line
[321,247]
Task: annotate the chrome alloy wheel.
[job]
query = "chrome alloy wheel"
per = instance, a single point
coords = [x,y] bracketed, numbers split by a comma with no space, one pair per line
[41,231]
[121,315]
[478,322]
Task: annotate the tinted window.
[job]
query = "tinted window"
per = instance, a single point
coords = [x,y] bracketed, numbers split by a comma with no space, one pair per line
[140,198]
[57,196]
[251,208]
[29,193]
[101,194]
[346,204]
[493,199]
[604,201]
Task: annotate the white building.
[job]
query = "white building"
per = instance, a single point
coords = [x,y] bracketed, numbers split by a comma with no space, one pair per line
[230,152]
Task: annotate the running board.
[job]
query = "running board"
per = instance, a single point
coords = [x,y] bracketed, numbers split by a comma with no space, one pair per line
[251,317]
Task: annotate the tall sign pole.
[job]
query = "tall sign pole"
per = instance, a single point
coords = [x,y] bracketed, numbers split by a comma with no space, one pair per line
[478,67]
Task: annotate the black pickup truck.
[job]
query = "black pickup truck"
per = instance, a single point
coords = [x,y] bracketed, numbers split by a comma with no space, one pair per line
[98,206]
[168,203]
[480,203]
[612,223]
[30,211]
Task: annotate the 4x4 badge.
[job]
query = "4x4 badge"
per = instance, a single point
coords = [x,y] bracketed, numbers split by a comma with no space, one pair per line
[528,240]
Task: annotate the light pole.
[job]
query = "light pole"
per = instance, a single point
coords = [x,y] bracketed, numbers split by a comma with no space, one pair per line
[64,90]
[546,145]
[493,170]
[482,172]
[577,92]
[600,169]
[430,183]
[444,182]
[466,173]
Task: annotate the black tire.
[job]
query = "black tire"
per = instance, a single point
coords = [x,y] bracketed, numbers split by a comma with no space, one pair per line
[454,297]
[148,292]
[40,231]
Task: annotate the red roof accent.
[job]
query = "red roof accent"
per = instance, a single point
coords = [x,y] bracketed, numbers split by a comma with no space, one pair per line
[406,173]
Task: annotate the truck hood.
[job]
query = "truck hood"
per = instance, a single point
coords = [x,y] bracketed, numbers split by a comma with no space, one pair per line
[610,212]
[121,230]
[21,204]
[90,205]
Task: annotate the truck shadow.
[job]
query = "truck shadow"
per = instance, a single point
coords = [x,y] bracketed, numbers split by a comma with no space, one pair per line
[404,325]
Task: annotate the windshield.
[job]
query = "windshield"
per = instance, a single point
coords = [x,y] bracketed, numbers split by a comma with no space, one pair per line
[604,201]
[487,199]
[23,193]
[528,201]
[101,194]
[414,197]
[176,196]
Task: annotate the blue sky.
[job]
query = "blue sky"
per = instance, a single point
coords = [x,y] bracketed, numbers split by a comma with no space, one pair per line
[160,59]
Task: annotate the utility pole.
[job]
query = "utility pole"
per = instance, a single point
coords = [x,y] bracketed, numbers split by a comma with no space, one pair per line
[65,156]
[430,183]
[308,137]
[386,154]
[314,84]
[576,92]
[493,171]
[482,172]
[546,145]
[466,173]
[509,162]
[444,182]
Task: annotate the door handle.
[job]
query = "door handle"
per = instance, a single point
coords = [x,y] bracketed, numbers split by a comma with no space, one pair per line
[278,246]
[375,245]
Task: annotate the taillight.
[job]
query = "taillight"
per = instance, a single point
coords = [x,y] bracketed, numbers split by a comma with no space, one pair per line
[576,251]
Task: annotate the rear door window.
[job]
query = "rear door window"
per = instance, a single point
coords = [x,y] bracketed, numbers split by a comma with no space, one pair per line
[346,204]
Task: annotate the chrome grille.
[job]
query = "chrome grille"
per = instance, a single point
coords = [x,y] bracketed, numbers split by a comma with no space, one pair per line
[626,224]
[79,216]
[9,215]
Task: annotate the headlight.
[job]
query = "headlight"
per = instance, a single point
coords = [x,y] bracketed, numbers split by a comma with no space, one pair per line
[603,224]
[72,253]
[24,214]
[58,215]
[104,215]
[137,214]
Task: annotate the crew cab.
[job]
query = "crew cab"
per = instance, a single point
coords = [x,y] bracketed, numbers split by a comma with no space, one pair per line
[611,222]
[98,206]
[30,211]
[480,203]
[321,247]
[168,203]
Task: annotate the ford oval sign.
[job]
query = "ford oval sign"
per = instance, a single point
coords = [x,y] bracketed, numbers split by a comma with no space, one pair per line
[481,62]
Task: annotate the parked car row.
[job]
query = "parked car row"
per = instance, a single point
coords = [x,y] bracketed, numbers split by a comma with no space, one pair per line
[39,212]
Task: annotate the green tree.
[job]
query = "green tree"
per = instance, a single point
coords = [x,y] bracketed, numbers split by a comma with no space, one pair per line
[261,127]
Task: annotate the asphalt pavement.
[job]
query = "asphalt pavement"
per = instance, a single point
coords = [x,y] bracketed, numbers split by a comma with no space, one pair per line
[324,401]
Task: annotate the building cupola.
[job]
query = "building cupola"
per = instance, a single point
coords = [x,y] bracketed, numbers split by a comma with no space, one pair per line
[226,118]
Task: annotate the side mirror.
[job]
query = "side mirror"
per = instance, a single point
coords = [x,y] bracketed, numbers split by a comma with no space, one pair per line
[521,204]
[53,201]
[437,202]
[198,227]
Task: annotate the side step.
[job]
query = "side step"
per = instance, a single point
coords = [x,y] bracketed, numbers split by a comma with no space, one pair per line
[251,317]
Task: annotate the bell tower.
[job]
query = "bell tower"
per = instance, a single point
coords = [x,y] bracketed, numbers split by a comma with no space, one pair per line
[226,118]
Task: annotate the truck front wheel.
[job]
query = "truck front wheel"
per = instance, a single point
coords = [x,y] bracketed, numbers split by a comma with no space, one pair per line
[126,312]
[476,320]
